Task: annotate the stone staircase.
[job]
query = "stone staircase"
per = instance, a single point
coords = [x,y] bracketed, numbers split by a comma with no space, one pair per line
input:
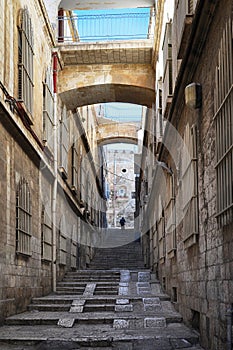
[112,308]
[119,249]
[129,256]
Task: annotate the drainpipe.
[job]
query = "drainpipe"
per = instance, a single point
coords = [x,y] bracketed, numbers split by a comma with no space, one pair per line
[54,194]
[229,328]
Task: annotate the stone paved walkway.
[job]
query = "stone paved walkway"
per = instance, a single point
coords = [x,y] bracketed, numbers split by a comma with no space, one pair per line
[124,310]
[115,308]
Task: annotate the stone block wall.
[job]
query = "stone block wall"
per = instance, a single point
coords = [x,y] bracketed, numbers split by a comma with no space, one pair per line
[200,278]
[22,157]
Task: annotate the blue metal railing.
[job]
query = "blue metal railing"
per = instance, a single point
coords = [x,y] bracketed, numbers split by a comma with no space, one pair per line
[104,27]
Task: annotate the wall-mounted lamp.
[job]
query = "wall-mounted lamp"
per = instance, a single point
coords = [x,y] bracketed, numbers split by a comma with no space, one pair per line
[193,95]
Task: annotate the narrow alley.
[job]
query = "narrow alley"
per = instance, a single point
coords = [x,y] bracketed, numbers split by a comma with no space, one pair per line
[116,187]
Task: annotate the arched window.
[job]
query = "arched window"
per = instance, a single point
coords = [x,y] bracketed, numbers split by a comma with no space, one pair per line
[25,59]
[23,218]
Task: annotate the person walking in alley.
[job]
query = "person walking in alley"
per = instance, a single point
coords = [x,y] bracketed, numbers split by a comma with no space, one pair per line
[122,222]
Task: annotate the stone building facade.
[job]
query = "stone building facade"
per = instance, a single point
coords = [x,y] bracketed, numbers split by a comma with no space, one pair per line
[121,180]
[51,187]
[188,218]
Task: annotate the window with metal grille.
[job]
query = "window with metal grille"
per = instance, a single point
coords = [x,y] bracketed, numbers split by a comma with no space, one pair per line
[189,186]
[62,242]
[46,234]
[48,110]
[64,143]
[155,246]
[167,69]
[223,115]
[74,247]
[23,219]
[75,167]
[25,59]
[161,238]
[170,217]
[82,177]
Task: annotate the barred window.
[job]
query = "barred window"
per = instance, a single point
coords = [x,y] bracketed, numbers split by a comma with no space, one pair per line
[75,167]
[64,143]
[189,186]
[48,110]
[74,247]
[46,234]
[155,245]
[170,216]
[223,115]
[161,238]
[25,59]
[82,179]
[62,242]
[167,67]
[23,219]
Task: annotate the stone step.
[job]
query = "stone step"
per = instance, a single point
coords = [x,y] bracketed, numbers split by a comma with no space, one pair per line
[49,307]
[109,266]
[84,280]
[106,287]
[174,336]
[90,272]
[97,317]
[117,345]
[99,307]
[122,265]
[67,283]
[69,292]
[103,292]
[70,289]
[94,274]
[95,314]
[77,285]
[100,301]
[119,255]
[128,250]
[52,299]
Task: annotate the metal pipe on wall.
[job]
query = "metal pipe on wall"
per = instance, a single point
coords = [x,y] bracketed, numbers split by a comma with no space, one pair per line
[54,194]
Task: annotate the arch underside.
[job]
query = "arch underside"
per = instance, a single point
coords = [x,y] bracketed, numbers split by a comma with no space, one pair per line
[117,139]
[103,93]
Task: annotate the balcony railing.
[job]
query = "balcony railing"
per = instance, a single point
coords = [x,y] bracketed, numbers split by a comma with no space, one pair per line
[104,27]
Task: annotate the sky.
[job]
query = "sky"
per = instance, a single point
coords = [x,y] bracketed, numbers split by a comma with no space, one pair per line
[113,24]
[123,112]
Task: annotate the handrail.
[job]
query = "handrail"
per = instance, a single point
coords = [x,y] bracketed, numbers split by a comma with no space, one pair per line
[104,27]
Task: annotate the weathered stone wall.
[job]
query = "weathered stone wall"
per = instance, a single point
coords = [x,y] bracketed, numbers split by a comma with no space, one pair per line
[21,278]
[202,274]
[22,156]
